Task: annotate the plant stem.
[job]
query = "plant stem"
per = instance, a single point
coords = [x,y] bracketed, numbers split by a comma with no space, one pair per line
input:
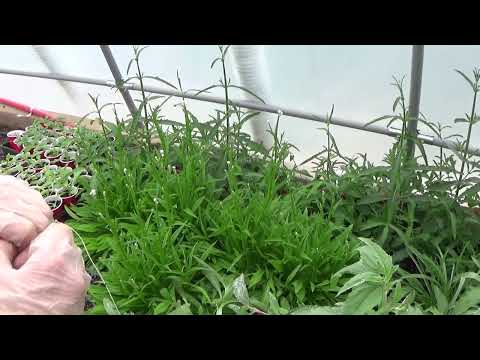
[467,144]
[140,78]
[227,109]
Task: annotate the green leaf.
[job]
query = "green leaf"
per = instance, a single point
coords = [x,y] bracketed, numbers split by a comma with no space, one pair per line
[129,65]
[373,198]
[471,275]
[466,78]
[198,203]
[292,274]
[110,307]
[225,50]
[378,119]
[318,310]
[214,61]
[208,88]
[373,256]
[371,224]
[140,51]
[212,276]
[356,268]
[359,279]
[363,299]
[256,278]
[247,91]
[468,300]
[453,222]
[412,310]
[182,310]
[396,103]
[161,80]
[442,302]
[240,290]
[161,308]
[190,212]
[88,228]
[460,120]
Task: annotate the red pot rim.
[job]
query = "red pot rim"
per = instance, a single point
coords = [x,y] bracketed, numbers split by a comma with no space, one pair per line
[11,135]
[73,195]
[57,197]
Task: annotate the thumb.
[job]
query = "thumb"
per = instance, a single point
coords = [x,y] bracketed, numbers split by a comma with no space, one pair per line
[7,254]
[54,241]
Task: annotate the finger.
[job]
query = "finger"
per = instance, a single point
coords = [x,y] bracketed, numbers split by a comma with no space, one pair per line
[21,187]
[7,254]
[16,229]
[22,192]
[53,242]
[21,258]
[31,212]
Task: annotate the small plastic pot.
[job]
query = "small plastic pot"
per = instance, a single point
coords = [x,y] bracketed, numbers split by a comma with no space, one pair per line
[15,147]
[51,158]
[55,203]
[30,171]
[36,179]
[43,163]
[51,167]
[12,135]
[71,199]
[68,163]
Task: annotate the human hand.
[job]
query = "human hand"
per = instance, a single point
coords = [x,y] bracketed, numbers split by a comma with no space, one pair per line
[52,281]
[23,212]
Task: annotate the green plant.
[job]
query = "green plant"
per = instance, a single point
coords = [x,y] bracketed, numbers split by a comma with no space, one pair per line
[442,287]
[195,217]
[470,120]
[373,289]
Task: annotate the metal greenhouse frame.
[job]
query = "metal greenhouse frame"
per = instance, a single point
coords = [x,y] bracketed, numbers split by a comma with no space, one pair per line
[414,99]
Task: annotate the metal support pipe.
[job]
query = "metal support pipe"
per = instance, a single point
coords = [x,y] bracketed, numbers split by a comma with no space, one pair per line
[112,64]
[414,98]
[427,139]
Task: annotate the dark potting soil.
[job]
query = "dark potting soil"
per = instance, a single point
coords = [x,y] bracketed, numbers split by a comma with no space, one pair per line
[409,265]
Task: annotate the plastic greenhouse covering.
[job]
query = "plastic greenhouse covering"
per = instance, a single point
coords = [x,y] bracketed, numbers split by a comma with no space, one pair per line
[355,79]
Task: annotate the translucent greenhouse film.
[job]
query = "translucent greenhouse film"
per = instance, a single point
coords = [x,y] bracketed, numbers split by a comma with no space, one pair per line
[356,79]
[242,179]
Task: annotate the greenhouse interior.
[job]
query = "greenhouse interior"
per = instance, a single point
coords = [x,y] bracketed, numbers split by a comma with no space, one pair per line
[239,180]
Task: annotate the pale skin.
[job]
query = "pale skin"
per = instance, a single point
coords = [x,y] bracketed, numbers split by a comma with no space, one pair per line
[41,269]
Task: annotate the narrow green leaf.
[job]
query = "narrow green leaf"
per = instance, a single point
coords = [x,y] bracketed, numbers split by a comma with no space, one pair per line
[160,80]
[214,62]
[110,307]
[359,279]
[247,91]
[466,78]
[396,103]
[292,275]
[378,119]
[442,302]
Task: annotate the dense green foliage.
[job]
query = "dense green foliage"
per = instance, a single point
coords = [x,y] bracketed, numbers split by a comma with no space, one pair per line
[195,217]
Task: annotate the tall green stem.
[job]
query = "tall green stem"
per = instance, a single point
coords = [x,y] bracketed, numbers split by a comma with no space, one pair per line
[227,109]
[467,144]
